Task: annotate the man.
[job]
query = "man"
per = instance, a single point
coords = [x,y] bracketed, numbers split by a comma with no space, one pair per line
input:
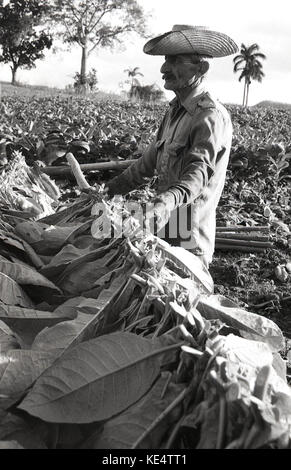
[191,150]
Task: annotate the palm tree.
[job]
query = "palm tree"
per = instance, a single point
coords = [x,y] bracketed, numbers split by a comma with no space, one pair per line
[133,73]
[249,63]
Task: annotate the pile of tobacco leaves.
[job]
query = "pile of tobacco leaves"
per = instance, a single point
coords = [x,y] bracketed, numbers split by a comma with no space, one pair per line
[120,343]
[109,343]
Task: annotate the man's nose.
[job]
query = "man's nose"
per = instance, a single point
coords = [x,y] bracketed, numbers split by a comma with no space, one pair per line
[165,67]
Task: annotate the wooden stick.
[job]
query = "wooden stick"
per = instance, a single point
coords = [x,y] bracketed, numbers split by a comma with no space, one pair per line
[246,249]
[243,236]
[66,170]
[251,243]
[237,228]
[77,172]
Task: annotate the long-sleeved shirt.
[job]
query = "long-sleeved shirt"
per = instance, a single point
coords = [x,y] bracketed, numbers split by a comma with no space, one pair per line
[189,156]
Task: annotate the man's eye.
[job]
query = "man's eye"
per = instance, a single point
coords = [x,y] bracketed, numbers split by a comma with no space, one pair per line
[171,60]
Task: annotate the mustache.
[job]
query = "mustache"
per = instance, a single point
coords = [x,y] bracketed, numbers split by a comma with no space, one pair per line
[166,76]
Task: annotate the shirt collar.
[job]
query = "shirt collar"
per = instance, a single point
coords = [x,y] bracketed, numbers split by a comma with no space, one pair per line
[191,100]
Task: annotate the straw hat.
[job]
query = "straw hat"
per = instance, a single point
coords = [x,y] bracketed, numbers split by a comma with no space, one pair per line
[185,39]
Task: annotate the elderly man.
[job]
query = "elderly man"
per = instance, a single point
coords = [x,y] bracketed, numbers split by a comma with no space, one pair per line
[191,150]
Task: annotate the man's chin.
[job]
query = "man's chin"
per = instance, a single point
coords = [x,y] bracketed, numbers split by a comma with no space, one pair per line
[168,86]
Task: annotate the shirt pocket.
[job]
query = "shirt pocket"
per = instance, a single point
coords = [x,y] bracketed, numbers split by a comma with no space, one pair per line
[174,150]
[169,161]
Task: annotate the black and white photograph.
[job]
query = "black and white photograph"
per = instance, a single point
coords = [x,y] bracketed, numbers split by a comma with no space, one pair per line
[145,227]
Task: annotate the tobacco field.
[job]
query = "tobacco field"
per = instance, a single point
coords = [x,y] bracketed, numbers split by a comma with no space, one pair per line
[128,343]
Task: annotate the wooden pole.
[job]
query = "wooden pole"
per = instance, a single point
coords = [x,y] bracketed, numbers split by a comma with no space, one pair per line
[86,167]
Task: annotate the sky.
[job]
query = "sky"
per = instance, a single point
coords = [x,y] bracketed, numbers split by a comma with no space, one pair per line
[265,22]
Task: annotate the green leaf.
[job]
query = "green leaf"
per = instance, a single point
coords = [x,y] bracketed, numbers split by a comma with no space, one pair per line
[134,424]
[59,262]
[44,239]
[254,353]
[209,428]
[95,380]
[250,325]
[92,256]
[18,313]
[20,368]
[27,322]
[72,307]
[59,337]
[10,445]
[7,339]
[16,433]
[87,271]
[26,275]
[12,294]
[86,327]
[12,241]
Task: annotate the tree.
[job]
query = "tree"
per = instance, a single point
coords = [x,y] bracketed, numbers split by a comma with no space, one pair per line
[249,63]
[146,93]
[91,80]
[92,24]
[132,73]
[22,39]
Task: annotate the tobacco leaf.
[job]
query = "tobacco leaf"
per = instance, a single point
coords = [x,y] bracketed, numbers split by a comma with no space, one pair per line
[70,212]
[17,433]
[84,278]
[12,294]
[11,240]
[103,283]
[20,368]
[31,231]
[281,390]
[18,313]
[27,322]
[59,337]
[87,273]
[250,325]
[95,380]
[98,315]
[266,434]
[80,230]
[59,262]
[44,239]
[72,307]
[10,445]
[134,424]
[92,256]
[70,436]
[111,292]
[8,340]
[190,264]
[280,366]
[26,275]
[209,427]
[254,353]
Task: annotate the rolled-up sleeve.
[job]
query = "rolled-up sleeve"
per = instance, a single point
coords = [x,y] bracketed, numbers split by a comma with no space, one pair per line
[199,159]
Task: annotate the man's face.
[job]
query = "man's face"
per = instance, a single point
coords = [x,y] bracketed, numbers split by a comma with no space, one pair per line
[179,71]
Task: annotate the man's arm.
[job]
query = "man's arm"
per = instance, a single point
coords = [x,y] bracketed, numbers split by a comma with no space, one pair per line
[133,177]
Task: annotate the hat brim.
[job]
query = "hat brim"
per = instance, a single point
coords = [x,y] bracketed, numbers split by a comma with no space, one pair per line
[203,42]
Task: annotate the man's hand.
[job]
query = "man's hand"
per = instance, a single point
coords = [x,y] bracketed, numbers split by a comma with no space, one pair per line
[164,204]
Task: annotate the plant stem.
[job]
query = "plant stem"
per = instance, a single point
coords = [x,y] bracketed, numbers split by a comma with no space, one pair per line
[170,408]
[221,426]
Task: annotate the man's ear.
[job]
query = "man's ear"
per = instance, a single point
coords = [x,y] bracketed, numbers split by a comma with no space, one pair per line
[204,67]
